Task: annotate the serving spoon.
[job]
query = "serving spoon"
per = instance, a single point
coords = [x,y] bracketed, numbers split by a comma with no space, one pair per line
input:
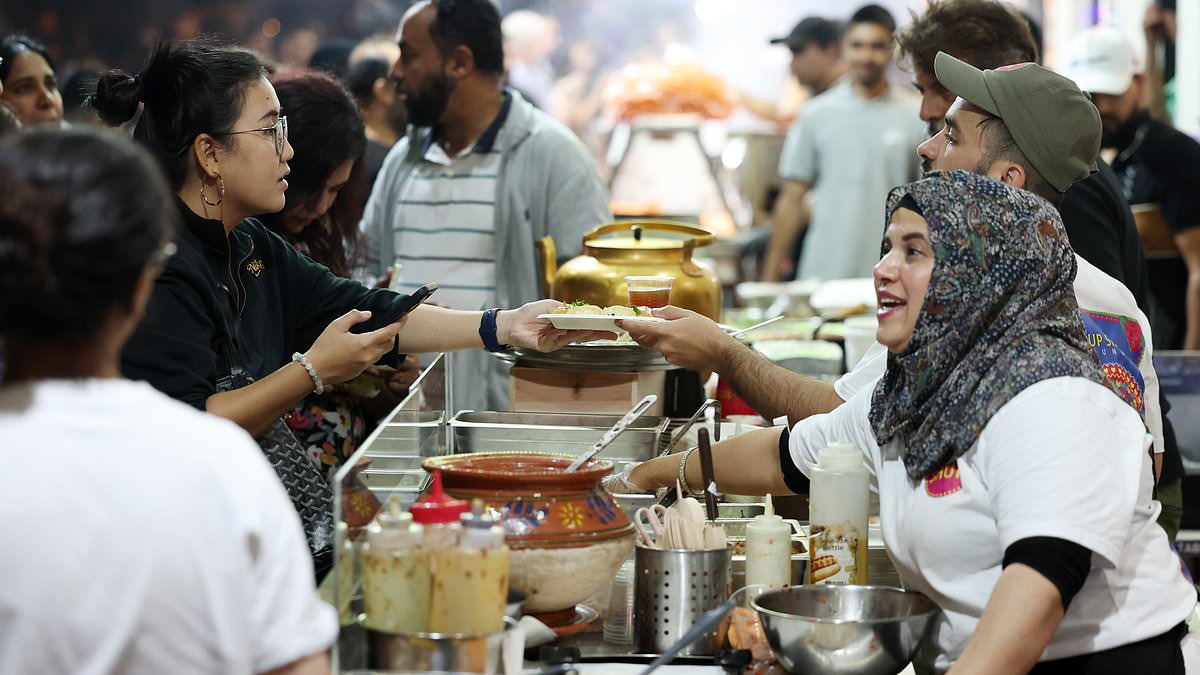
[616,430]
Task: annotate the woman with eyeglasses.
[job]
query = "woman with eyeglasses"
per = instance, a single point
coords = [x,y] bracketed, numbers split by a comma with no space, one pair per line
[240,324]
[141,535]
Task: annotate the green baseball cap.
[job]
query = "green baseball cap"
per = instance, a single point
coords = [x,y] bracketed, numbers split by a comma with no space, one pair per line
[1055,125]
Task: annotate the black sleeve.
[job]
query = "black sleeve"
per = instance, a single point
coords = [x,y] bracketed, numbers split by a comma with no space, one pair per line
[1173,158]
[172,346]
[1064,563]
[793,477]
[1092,226]
[318,296]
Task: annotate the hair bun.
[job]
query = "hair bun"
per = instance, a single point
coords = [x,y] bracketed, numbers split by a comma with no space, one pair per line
[117,96]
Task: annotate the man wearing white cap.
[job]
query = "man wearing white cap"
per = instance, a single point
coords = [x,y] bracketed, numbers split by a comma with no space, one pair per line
[1157,165]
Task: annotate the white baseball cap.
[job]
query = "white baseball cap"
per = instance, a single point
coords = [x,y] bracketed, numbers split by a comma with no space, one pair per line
[1102,61]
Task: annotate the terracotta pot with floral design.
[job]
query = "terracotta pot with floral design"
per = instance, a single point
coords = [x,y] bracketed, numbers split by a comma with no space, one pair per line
[567,534]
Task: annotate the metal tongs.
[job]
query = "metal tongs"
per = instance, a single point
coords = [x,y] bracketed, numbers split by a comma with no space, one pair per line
[709,404]
[616,430]
[710,410]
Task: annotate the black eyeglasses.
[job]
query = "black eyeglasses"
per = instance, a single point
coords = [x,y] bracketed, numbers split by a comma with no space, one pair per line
[277,130]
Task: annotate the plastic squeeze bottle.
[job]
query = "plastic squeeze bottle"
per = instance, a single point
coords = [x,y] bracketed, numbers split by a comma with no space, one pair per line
[395,573]
[439,515]
[471,584]
[838,505]
[768,550]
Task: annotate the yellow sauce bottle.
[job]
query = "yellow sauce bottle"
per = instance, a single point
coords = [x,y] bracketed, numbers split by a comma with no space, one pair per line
[439,515]
[395,573]
[470,586]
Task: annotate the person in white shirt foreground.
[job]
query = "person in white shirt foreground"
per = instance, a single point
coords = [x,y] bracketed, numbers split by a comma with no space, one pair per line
[142,536]
[1014,483]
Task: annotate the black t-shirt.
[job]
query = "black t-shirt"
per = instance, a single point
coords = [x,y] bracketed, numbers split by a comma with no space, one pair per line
[1101,230]
[1162,166]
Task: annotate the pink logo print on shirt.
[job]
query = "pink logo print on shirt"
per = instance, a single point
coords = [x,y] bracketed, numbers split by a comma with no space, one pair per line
[945,482]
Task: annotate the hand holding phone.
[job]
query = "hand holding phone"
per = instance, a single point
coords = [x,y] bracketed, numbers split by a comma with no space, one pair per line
[410,303]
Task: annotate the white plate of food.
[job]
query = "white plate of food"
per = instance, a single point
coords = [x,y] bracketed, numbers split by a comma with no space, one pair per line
[580,316]
[607,322]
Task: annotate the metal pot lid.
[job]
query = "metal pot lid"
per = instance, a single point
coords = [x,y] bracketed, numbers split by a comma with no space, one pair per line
[632,244]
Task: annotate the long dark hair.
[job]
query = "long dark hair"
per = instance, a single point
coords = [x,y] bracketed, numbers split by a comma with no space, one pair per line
[188,88]
[84,211]
[325,128]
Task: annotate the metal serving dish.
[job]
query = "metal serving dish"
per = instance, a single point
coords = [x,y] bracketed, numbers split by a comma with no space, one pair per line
[851,630]
[393,480]
[407,433]
[602,355]
[568,433]
[809,357]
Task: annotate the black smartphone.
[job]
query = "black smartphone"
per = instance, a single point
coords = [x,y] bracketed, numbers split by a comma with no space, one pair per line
[410,303]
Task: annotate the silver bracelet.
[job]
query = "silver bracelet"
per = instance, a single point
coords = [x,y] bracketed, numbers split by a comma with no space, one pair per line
[318,385]
[683,471]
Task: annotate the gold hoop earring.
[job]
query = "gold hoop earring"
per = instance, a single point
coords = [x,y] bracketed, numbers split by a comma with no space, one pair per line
[220,192]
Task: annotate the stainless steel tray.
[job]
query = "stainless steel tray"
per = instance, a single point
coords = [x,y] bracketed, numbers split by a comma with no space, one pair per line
[605,355]
[406,433]
[568,433]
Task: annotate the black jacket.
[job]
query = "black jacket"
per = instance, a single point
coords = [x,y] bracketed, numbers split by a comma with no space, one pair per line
[250,285]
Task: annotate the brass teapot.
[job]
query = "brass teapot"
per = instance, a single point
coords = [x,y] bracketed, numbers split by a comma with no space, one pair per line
[598,276]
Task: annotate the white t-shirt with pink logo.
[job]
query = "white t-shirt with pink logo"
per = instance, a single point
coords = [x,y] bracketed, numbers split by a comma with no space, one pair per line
[1064,458]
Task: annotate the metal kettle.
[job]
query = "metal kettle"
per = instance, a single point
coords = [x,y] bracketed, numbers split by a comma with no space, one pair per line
[598,276]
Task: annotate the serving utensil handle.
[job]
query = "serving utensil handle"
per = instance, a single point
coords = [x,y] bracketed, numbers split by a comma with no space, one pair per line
[616,430]
[707,475]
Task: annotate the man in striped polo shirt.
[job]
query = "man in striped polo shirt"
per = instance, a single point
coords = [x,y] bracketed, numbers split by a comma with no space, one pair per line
[480,176]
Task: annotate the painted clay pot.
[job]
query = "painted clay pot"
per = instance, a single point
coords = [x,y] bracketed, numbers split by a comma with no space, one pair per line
[567,534]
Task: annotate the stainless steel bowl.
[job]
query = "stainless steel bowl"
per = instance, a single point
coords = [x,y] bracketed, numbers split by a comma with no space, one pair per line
[845,630]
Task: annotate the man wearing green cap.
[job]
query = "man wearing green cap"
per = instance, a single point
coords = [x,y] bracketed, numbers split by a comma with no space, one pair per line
[1033,128]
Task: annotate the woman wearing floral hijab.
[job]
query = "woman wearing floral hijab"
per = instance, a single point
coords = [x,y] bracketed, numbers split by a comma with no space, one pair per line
[1014,485]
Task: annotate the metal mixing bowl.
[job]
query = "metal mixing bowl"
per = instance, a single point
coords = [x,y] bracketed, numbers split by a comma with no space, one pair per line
[845,630]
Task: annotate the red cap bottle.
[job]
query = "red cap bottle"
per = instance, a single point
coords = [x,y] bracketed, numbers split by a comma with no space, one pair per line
[438,507]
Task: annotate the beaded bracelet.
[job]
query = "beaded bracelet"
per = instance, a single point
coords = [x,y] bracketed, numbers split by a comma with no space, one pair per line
[318,385]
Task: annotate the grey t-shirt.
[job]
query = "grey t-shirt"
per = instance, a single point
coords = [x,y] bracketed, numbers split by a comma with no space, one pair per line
[851,151]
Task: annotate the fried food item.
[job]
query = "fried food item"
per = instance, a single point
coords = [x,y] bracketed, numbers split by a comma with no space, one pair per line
[581,307]
[577,307]
[746,632]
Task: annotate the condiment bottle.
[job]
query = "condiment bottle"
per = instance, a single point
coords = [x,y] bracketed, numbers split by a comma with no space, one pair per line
[768,550]
[838,504]
[438,514]
[395,573]
[471,579]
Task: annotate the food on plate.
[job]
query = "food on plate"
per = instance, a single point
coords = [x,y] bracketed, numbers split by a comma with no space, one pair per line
[581,307]
[824,567]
